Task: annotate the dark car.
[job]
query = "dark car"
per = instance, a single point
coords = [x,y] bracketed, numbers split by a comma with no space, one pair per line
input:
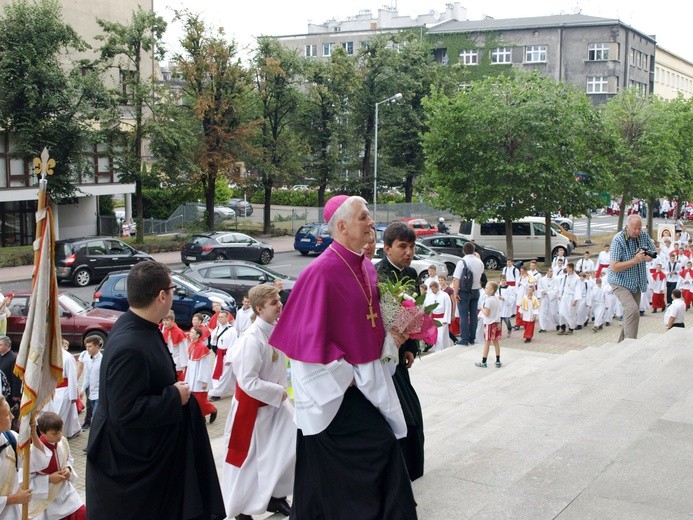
[85,260]
[243,208]
[77,319]
[237,277]
[189,297]
[312,238]
[226,246]
[453,244]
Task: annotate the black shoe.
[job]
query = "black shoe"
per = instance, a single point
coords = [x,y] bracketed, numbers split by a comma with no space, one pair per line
[243,517]
[579,327]
[279,505]
[213,417]
[642,313]
[516,327]
[215,398]
[528,340]
[85,427]
[471,341]
[461,342]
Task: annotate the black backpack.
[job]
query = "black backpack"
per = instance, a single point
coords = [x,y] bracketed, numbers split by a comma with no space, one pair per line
[466,278]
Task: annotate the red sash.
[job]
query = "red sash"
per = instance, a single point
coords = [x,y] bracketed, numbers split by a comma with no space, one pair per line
[219,364]
[243,426]
[63,383]
[599,270]
[438,315]
[511,284]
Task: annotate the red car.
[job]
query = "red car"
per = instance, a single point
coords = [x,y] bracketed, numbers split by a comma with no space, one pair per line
[77,319]
[421,226]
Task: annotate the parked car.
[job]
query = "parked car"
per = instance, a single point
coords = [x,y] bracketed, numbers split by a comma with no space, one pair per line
[312,238]
[189,297]
[225,246]
[566,232]
[421,226]
[300,187]
[237,277]
[242,207]
[528,237]
[420,264]
[425,252]
[77,318]
[195,212]
[88,259]
[452,244]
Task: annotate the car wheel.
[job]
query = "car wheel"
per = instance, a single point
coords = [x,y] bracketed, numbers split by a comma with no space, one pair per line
[220,257]
[265,257]
[99,333]
[206,315]
[82,277]
[491,263]
[304,253]
[565,225]
[451,268]
[554,253]
[422,277]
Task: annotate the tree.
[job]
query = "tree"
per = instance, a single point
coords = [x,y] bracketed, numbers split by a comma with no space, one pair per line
[218,87]
[643,157]
[508,147]
[128,48]
[277,72]
[46,100]
[324,118]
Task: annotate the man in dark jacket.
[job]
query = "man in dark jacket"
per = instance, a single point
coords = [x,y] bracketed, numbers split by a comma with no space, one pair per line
[148,454]
[398,240]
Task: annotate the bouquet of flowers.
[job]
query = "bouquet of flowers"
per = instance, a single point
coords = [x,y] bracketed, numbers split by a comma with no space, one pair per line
[405,314]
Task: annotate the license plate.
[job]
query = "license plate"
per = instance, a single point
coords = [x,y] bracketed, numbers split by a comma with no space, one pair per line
[190,258]
[305,240]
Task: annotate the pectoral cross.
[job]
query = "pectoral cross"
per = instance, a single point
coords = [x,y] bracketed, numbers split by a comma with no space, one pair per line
[372,316]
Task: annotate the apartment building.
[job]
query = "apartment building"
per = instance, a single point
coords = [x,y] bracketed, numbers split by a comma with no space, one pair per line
[673,75]
[18,184]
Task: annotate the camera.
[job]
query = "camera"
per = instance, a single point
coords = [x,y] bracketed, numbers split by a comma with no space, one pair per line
[651,254]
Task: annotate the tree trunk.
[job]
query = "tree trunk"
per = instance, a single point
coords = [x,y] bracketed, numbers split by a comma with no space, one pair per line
[650,225]
[209,191]
[408,188]
[621,214]
[509,238]
[266,218]
[547,240]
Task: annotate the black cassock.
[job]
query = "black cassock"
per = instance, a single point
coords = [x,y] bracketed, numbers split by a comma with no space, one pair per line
[148,456]
[413,444]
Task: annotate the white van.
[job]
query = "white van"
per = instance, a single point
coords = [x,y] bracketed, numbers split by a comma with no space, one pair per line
[528,237]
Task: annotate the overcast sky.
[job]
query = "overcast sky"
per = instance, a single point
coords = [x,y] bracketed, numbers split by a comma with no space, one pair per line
[668,20]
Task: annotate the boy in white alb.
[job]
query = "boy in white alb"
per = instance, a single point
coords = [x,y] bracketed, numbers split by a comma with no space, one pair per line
[548,310]
[224,336]
[676,312]
[492,324]
[571,292]
[598,298]
[506,296]
[442,313]
[260,433]
[64,402]
[244,316]
[177,342]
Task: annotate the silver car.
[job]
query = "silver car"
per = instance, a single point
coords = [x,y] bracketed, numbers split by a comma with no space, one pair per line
[420,264]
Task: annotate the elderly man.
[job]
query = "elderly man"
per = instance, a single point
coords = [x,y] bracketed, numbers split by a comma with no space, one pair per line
[628,271]
[148,454]
[348,461]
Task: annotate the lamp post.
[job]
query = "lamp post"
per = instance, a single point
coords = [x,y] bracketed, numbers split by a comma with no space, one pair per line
[392,99]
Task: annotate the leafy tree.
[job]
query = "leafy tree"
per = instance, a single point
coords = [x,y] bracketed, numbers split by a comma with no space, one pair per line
[508,147]
[128,48]
[217,86]
[277,73]
[47,100]
[643,157]
[324,117]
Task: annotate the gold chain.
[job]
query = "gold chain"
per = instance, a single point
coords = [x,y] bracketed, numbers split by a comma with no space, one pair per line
[371,315]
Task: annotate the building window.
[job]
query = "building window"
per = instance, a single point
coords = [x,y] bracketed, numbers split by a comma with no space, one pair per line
[348,47]
[311,51]
[535,54]
[501,55]
[327,49]
[597,85]
[469,57]
[598,51]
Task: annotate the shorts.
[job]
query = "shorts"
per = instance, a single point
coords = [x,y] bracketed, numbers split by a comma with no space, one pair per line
[493,331]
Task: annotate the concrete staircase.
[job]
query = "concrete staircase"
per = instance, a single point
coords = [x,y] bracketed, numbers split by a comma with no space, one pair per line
[603,433]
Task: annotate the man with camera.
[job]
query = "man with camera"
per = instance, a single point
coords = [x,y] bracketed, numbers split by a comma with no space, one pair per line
[631,249]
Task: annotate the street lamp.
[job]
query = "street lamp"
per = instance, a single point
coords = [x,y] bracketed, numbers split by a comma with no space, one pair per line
[392,99]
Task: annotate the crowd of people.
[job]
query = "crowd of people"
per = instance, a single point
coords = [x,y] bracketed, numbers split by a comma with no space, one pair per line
[352,440]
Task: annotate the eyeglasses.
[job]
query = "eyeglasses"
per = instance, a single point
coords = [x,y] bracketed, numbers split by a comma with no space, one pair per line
[168,288]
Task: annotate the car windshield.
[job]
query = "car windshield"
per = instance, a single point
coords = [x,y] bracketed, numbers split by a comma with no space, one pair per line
[306,230]
[187,283]
[73,303]
[200,239]
[275,273]
[424,250]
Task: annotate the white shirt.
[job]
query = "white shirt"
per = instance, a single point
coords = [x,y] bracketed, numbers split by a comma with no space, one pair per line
[494,307]
[677,309]
[475,265]
[92,367]
[586,265]
[243,320]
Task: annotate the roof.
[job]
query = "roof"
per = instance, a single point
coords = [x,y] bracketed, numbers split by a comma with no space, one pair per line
[492,24]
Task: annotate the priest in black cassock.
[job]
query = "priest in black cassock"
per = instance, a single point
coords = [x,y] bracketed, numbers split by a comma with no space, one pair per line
[399,241]
[148,454]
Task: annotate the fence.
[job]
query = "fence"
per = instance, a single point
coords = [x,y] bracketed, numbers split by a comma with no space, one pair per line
[286,218]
